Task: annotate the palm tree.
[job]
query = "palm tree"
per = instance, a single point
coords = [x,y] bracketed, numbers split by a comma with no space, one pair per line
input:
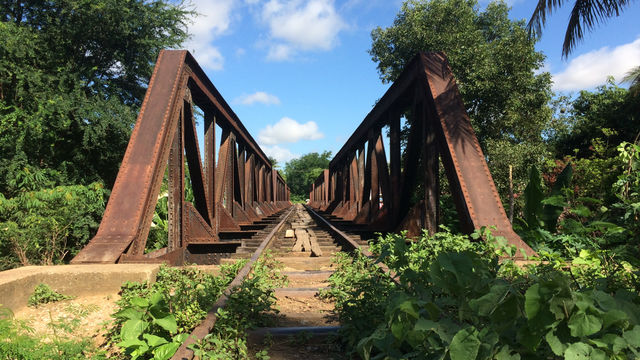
[633,78]
[586,14]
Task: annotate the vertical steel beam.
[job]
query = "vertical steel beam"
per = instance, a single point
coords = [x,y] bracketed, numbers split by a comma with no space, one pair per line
[210,163]
[396,166]
[431,172]
[175,195]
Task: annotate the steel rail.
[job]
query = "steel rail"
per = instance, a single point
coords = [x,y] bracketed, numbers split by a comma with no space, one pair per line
[183,352]
[349,242]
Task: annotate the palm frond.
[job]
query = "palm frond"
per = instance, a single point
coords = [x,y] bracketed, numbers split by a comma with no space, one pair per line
[585,16]
[633,78]
[539,16]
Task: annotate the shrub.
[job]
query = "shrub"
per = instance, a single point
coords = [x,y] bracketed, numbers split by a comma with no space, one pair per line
[43,294]
[48,226]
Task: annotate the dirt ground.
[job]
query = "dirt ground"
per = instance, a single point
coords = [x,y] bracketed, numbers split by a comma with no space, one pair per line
[82,317]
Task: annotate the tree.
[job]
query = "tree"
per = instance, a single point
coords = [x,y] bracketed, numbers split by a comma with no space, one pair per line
[633,78]
[495,64]
[72,77]
[300,173]
[585,15]
[274,162]
[609,113]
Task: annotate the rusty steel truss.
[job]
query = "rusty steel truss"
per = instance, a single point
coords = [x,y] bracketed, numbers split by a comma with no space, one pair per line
[362,187]
[241,188]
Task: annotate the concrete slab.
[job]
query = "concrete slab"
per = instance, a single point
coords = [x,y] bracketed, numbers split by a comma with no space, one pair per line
[17,285]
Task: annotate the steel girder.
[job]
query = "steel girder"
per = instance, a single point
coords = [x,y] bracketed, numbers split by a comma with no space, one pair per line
[240,188]
[361,187]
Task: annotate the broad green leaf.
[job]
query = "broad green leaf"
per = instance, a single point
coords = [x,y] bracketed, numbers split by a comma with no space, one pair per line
[398,328]
[578,351]
[583,324]
[613,317]
[505,354]
[533,302]
[156,298]
[153,340]
[168,323]
[129,313]
[408,307]
[556,345]
[140,302]
[446,330]
[465,345]
[486,304]
[488,340]
[140,351]
[537,309]
[530,337]
[131,343]
[180,338]
[425,325]
[165,351]
[133,328]
[633,336]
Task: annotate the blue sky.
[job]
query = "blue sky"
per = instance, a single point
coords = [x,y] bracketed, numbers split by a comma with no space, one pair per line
[298,74]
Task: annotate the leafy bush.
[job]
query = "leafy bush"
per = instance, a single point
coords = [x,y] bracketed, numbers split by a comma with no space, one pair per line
[43,294]
[154,319]
[149,328]
[188,292]
[570,217]
[250,305]
[48,226]
[455,300]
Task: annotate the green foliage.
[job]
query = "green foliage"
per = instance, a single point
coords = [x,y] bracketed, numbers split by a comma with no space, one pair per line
[300,173]
[147,325]
[609,113]
[48,226]
[43,294]
[455,300]
[566,220]
[17,342]
[542,211]
[159,231]
[250,305]
[72,75]
[154,319]
[188,292]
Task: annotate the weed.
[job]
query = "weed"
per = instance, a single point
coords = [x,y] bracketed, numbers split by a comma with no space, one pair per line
[43,294]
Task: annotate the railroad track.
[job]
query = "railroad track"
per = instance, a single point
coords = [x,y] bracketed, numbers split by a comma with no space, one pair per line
[304,243]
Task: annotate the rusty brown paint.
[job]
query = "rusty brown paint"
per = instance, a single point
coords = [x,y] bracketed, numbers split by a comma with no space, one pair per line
[164,133]
[439,128]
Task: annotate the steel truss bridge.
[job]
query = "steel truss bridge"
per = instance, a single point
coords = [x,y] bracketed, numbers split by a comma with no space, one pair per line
[237,192]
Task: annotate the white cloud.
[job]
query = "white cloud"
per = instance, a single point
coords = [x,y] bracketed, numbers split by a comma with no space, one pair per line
[297,25]
[213,20]
[280,52]
[257,97]
[281,154]
[591,69]
[288,130]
